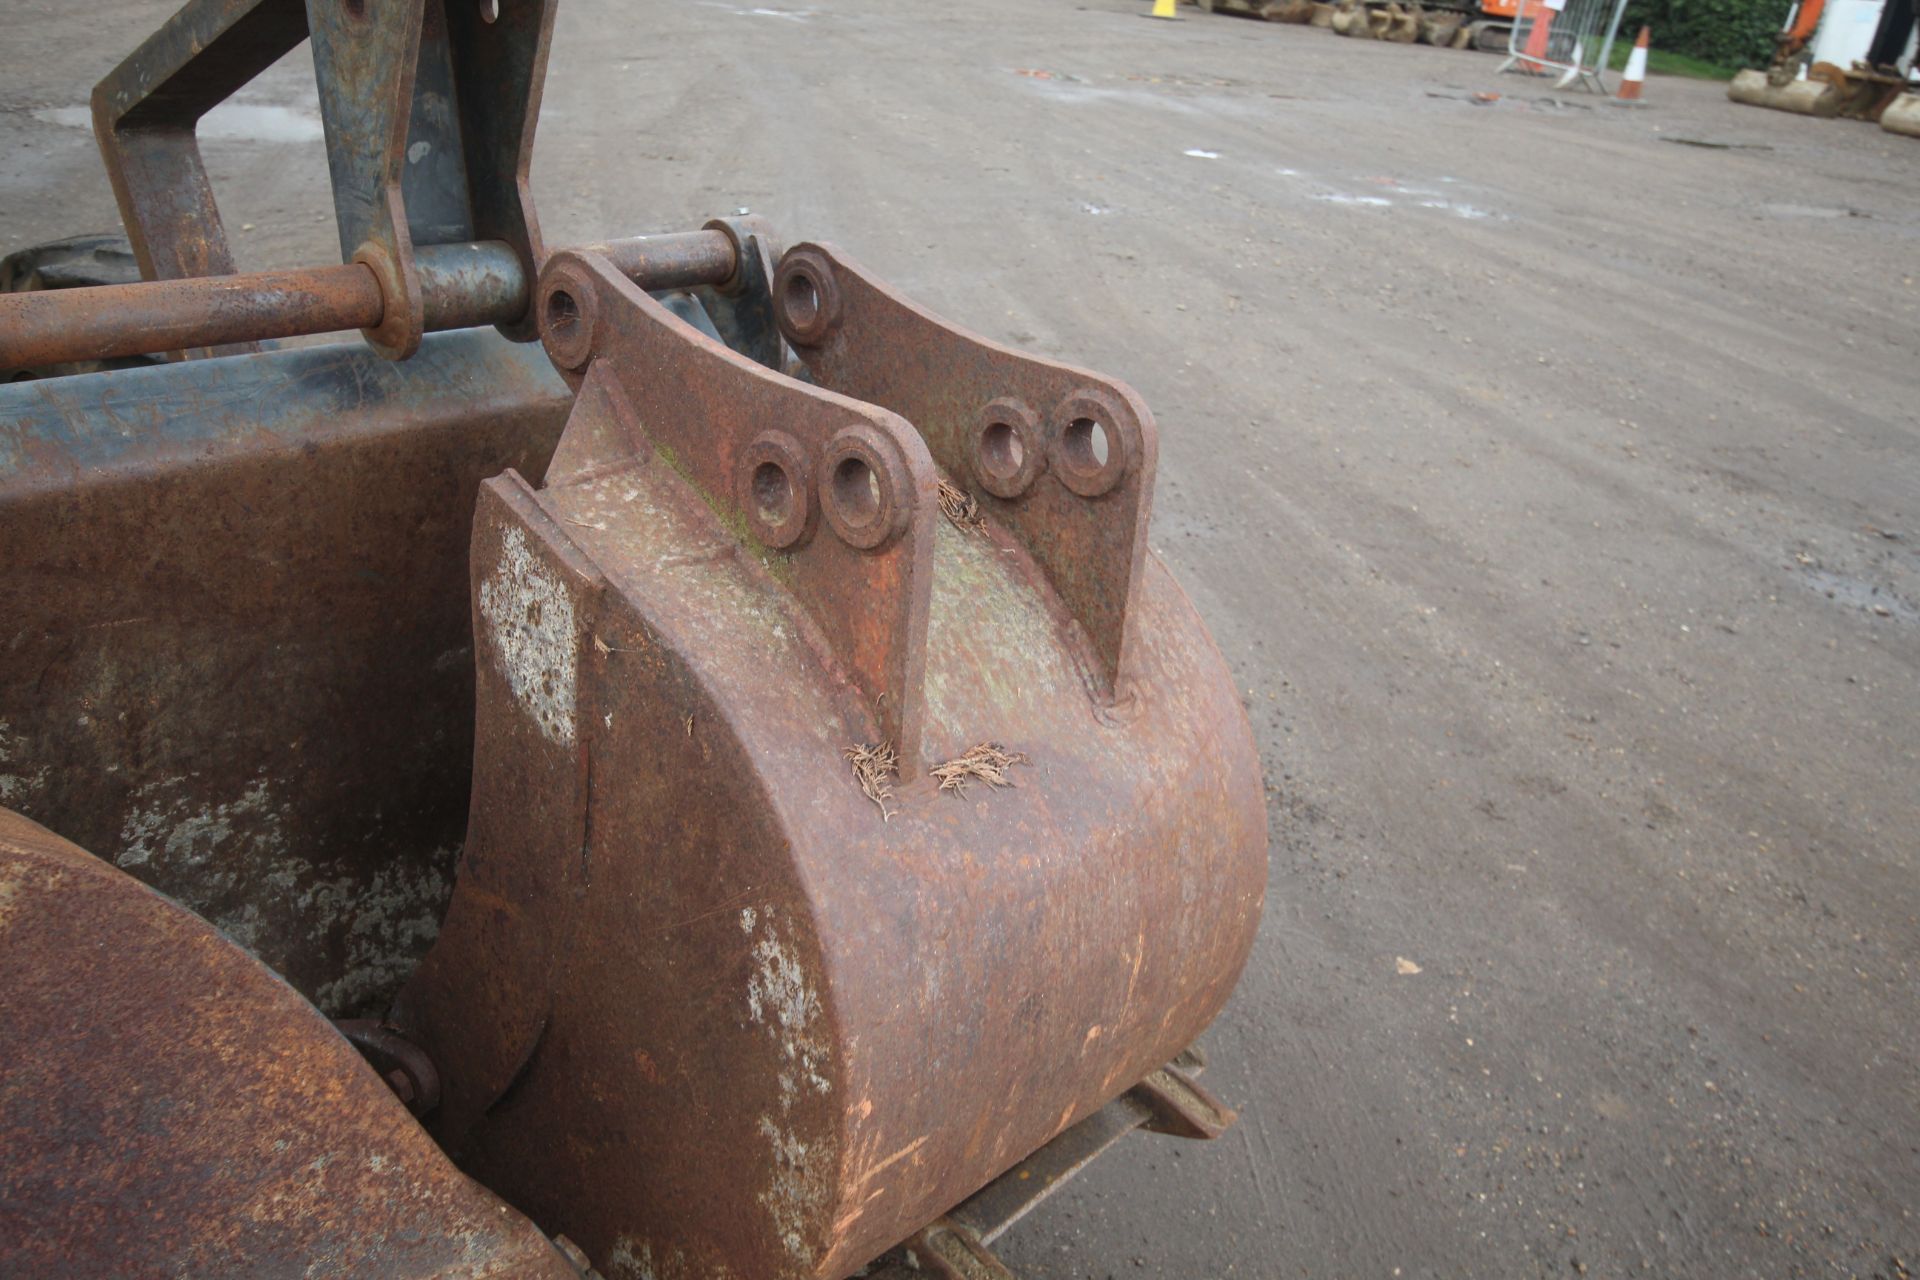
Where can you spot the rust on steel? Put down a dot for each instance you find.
(144, 116)
(170, 1107)
(695, 997)
(678, 261)
(454, 88)
(239, 652)
(463, 286)
(145, 112)
(61, 325)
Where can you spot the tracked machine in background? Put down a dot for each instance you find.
(665, 760)
(1847, 58)
(1486, 25)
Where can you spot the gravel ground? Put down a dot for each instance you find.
(1553, 489)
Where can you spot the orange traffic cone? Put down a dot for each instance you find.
(1636, 69)
(1536, 48)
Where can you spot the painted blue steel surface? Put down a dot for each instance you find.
(59, 427)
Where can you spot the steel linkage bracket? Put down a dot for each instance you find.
(836, 498)
(1062, 458)
(1182, 1107)
(429, 110)
(958, 1245)
(948, 1250)
(740, 309)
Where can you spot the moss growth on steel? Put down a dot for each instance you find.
(778, 563)
(977, 597)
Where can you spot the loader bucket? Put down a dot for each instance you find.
(172, 1108)
(236, 656)
(1805, 97)
(718, 743)
(717, 995)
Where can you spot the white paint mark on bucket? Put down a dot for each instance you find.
(530, 617)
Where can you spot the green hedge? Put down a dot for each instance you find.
(1732, 33)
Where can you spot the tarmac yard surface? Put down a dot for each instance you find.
(1552, 485)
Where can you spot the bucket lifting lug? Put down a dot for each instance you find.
(1062, 458)
(836, 498)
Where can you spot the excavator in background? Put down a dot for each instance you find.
(1486, 25)
(1847, 58)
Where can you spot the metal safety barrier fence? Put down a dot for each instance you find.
(1568, 39)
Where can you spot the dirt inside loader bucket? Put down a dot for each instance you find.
(667, 760)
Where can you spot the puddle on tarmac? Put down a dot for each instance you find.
(791, 15)
(230, 122)
(1417, 197)
(1456, 209)
(1864, 596)
(1809, 211)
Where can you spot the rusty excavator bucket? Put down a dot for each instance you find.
(726, 791)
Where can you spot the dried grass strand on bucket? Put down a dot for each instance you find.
(986, 762)
(957, 505)
(874, 768)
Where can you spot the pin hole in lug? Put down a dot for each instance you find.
(806, 298)
(865, 488)
(1094, 443)
(569, 313)
(774, 487)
